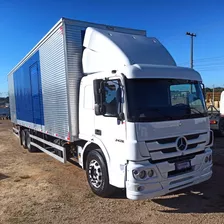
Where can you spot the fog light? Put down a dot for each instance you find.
(206, 159)
(142, 174)
(140, 188)
(150, 173)
(210, 158)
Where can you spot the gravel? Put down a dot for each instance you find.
(35, 188)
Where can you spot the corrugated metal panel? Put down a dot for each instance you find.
(74, 33)
(12, 98)
(74, 73)
(54, 85)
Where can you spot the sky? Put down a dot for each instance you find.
(24, 22)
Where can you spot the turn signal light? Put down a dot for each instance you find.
(213, 122)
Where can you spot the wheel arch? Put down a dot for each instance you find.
(94, 145)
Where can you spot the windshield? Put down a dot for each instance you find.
(164, 99)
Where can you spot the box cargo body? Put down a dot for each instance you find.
(44, 86)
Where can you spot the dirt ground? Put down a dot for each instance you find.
(35, 188)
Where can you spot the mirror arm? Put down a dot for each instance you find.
(204, 90)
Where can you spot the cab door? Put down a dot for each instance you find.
(111, 130)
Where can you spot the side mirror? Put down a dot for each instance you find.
(119, 98)
(203, 90)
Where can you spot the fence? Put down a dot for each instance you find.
(209, 98)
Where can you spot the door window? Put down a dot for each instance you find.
(111, 98)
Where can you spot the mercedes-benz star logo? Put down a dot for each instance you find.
(181, 143)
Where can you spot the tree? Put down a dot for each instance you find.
(208, 90)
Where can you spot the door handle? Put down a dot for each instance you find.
(98, 132)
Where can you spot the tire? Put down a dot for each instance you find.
(28, 143)
(97, 175)
(23, 139)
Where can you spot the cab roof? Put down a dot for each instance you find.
(138, 71)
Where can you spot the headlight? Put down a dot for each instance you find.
(150, 173)
(143, 174)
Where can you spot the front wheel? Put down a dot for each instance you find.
(97, 174)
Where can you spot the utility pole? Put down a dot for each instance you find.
(192, 35)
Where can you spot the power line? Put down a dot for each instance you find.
(211, 69)
(204, 59)
(209, 64)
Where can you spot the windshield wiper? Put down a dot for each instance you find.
(190, 109)
(198, 111)
(159, 112)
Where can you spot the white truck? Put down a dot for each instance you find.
(114, 100)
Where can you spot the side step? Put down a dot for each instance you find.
(62, 159)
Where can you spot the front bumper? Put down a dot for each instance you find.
(162, 183)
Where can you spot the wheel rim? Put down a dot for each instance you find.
(95, 174)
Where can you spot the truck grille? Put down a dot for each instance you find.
(177, 158)
(173, 139)
(166, 148)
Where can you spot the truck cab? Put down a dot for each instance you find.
(144, 117)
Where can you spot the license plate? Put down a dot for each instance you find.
(183, 165)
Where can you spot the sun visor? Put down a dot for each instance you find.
(108, 50)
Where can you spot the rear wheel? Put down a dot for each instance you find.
(23, 139)
(28, 143)
(97, 174)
